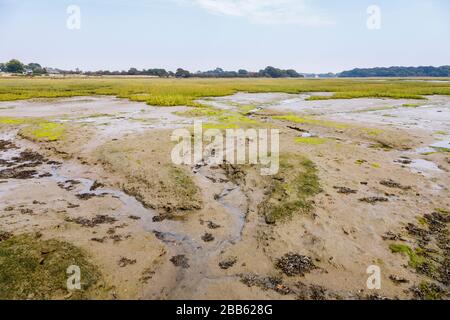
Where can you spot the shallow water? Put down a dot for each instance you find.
(299, 103)
(431, 115)
(112, 117)
(425, 167)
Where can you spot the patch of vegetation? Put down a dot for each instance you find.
(200, 112)
(442, 149)
(14, 121)
(291, 189)
(428, 291)
(416, 260)
(179, 92)
(44, 131)
(411, 105)
(185, 187)
(36, 129)
(367, 94)
(31, 268)
(246, 109)
(95, 115)
(375, 109)
(145, 170)
(144, 120)
(231, 121)
(372, 131)
(311, 140)
(311, 121)
(382, 144)
(442, 211)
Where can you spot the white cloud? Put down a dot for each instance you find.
(264, 11)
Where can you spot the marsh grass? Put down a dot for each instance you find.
(416, 260)
(175, 92)
(311, 140)
(31, 268)
(44, 131)
(311, 121)
(36, 129)
(291, 189)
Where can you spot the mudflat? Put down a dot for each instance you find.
(362, 182)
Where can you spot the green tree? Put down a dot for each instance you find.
(181, 73)
(36, 68)
(243, 72)
(292, 73)
(133, 71)
(14, 66)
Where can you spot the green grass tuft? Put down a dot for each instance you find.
(416, 260)
(312, 121)
(291, 189)
(311, 140)
(44, 131)
(31, 268)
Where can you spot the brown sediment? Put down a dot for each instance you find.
(320, 239)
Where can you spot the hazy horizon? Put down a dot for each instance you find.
(310, 37)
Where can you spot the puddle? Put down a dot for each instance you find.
(112, 117)
(444, 144)
(299, 103)
(421, 166)
(431, 115)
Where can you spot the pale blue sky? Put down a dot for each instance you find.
(307, 35)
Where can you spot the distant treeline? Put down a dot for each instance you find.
(400, 72)
(269, 72)
(17, 67)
